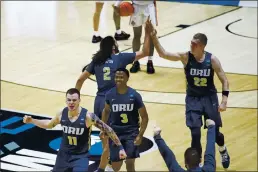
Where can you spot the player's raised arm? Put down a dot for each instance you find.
(161, 51)
(223, 79)
(45, 123)
(87, 71)
(94, 120)
(146, 47)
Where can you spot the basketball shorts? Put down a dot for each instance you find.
(68, 162)
(141, 13)
(99, 105)
(132, 151)
(206, 106)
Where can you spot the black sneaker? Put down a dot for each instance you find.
(136, 67)
(225, 158)
(96, 39)
(150, 67)
(122, 36)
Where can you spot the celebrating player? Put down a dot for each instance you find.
(124, 107)
(76, 122)
(201, 93)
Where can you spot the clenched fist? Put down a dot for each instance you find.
(27, 119)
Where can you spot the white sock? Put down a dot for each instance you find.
(150, 58)
(119, 31)
(222, 148)
(96, 33)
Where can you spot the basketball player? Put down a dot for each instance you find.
(191, 154)
(142, 9)
(104, 64)
(119, 35)
(124, 107)
(201, 93)
(76, 122)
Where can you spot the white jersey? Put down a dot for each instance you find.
(143, 2)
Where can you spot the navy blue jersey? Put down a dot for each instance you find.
(76, 136)
(124, 116)
(200, 76)
(105, 73)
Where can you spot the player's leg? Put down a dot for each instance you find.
(119, 35)
(132, 152)
(96, 18)
(114, 156)
(80, 162)
(152, 14)
(211, 109)
(194, 121)
(137, 33)
(61, 163)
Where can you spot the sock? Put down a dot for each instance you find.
(222, 148)
(101, 170)
(96, 33)
(119, 31)
(150, 58)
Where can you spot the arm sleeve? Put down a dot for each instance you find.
(167, 155)
(209, 156)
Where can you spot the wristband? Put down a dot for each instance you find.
(225, 93)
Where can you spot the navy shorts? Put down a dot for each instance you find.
(99, 105)
(131, 150)
(68, 162)
(198, 106)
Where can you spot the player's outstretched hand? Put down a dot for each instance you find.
(122, 154)
(209, 122)
(156, 130)
(138, 140)
(27, 119)
(222, 107)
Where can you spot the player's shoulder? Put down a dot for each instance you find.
(133, 92)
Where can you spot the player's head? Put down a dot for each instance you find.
(198, 43)
(122, 76)
(73, 99)
(108, 46)
(192, 158)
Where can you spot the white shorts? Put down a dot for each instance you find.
(141, 13)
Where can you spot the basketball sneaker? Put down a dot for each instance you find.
(109, 167)
(122, 36)
(96, 39)
(150, 67)
(156, 131)
(225, 158)
(135, 68)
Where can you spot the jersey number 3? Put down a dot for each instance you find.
(200, 82)
(106, 71)
(124, 118)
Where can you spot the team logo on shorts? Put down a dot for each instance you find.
(25, 147)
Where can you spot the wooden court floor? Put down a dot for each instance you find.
(45, 44)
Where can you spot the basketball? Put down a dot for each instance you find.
(126, 9)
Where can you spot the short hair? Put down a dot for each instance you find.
(201, 37)
(73, 91)
(192, 157)
(124, 70)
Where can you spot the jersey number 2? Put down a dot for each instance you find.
(200, 82)
(124, 118)
(106, 71)
(72, 140)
